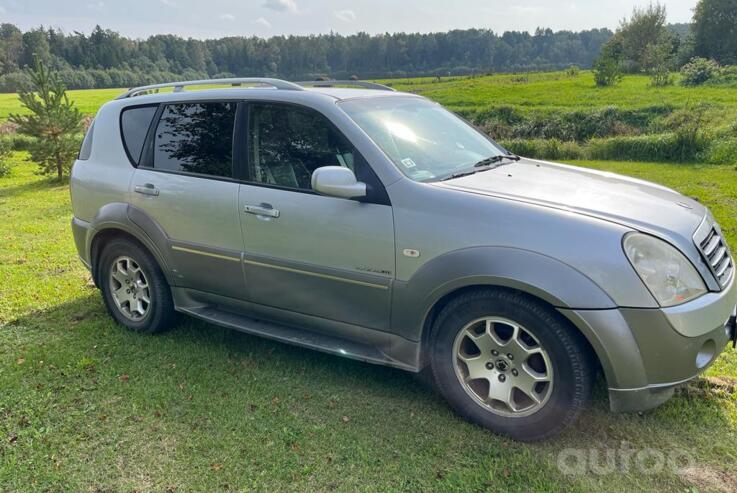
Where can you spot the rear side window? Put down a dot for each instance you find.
(86, 150)
(196, 138)
(134, 123)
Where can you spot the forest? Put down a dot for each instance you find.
(104, 58)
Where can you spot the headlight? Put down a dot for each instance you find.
(666, 272)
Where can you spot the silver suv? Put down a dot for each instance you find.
(374, 224)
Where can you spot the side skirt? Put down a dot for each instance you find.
(328, 336)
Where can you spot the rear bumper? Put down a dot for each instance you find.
(645, 353)
(80, 231)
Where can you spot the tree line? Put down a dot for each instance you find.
(104, 58)
(644, 43)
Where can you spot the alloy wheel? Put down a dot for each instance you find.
(503, 367)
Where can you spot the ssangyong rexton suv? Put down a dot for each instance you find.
(376, 225)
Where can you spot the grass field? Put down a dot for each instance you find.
(88, 406)
(547, 91)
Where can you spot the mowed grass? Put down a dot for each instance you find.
(548, 91)
(88, 406)
(551, 91)
(87, 100)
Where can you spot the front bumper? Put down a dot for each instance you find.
(645, 353)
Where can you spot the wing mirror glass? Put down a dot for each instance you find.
(337, 181)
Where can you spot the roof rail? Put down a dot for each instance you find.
(179, 86)
(334, 83)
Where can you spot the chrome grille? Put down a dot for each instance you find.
(716, 253)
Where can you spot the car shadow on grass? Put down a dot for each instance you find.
(39, 185)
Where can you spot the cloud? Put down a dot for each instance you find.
(281, 5)
(527, 9)
(92, 6)
(345, 15)
(170, 3)
(262, 22)
(227, 17)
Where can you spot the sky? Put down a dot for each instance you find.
(265, 18)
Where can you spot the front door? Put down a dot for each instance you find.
(184, 182)
(323, 256)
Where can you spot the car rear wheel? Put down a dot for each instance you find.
(134, 289)
(510, 363)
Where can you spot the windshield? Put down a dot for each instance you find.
(425, 141)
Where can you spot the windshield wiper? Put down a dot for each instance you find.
(483, 165)
(496, 159)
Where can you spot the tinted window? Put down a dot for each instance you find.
(135, 123)
(288, 143)
(86, 149)
(196, 138)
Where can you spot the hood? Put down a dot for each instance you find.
(628, 201)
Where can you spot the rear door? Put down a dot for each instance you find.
(184, 182)
(323, 256)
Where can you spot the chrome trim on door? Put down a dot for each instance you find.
(200, 252)
(316, 274)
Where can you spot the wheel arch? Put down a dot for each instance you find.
(119, 220)
(549, 281)
(429, 322)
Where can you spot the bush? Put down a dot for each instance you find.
(544, 148)
(506, 122)
(658, 147)
(18, 142)
(720, 151)
(699, 71)
(573, 71)
(607, 71)
(4, 155)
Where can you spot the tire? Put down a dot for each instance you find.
(482, 386)
(146, 308)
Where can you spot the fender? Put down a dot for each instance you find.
(568, 290)
(131, 220)
(544, 277)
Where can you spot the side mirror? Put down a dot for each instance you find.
(337, 181)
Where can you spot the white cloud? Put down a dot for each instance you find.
(170, 3)
(527, 9)
(227, 17)
(262, 22)
(91, 6)
(281, 5)
(345, 15)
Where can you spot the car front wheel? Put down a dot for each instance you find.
(510, 363)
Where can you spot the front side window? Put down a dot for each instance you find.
(287, 143)
(425, 141)
(196, 138)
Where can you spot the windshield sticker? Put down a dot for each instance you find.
(408, 163)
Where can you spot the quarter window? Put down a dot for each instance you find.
(134, 123)
(287, 143)
(196, 138)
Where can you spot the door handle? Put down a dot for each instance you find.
(261, 210)
(147, 189)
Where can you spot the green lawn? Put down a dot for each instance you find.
(88, 101)
(552, 91)
(535, 91)
(88, 406)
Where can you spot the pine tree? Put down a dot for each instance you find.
(54, 122)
